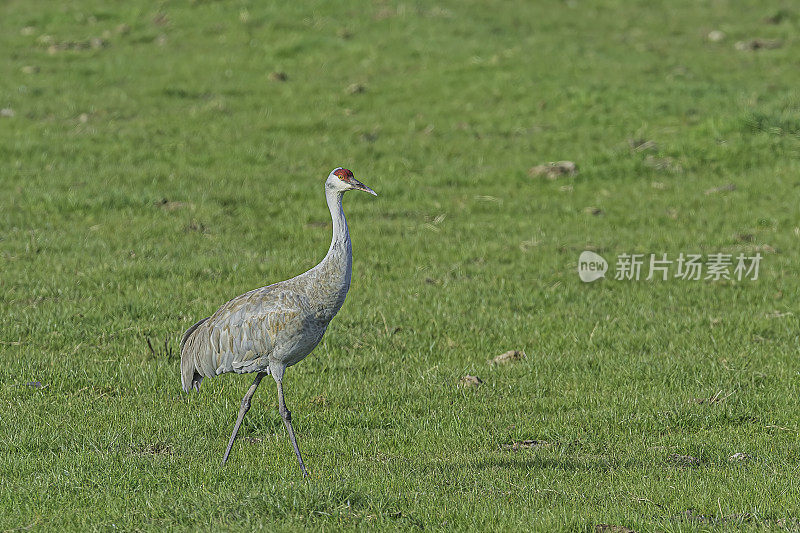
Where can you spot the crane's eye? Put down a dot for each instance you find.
(343, 174)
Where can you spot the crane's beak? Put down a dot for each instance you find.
(361, 187)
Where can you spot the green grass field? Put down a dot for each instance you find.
(154, 163)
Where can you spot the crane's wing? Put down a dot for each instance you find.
(241, 334)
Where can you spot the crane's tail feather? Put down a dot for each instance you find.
(190, 377)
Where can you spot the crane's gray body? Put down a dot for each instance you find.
(273, 327)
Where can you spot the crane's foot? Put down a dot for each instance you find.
(227, 453)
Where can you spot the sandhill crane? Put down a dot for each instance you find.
(269, 329)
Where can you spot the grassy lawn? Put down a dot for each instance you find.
(159, 159)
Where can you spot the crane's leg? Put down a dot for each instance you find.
(287, 420)
(242, 410)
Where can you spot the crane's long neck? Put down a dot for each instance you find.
(340, 242)
(333, 273)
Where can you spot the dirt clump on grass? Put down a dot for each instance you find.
(721, 188)
(470, 382)
(511, 356)
(683, 460)
(739, 457)
(759, 44)
(554, 170)
(158, 448)
(168, 205)
(355, 88)
(525, 445)
(195, 226)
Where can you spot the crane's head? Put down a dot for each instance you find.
(342, 180)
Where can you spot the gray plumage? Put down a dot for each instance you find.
(272, 328)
